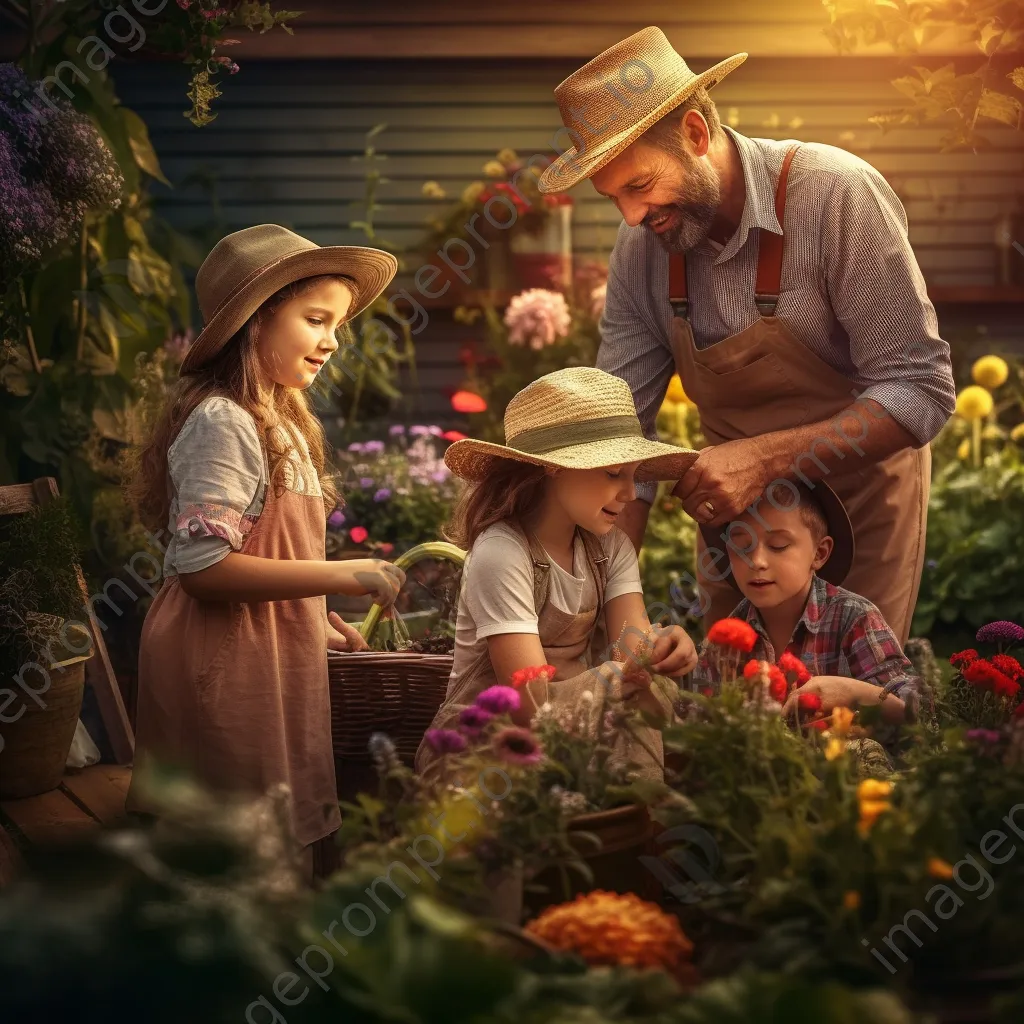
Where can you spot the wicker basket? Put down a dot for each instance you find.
(397, 693)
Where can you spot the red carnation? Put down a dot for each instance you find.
(1009, 665)
(986, 676)
(751, 668)
(809, 702)
(522, 676)
(778, 685)
(795, 670)
(962, 658)
(733, 633)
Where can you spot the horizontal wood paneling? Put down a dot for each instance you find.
(286, 147)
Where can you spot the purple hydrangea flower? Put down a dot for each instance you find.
(1000, 632)
(473, 719)
(446, 741)
(336, 519)
(382, 495)
(440, 475)
(396, 430)
(499, 700)
(356, 446)
(435, 431)
(373, 447)
(419, 431)
(366, 481)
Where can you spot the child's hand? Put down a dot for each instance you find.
(373, 576)
(674, 653)
(343, 637)
(834, 691)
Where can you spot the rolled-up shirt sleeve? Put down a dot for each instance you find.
(215, 465)
(879, 296)
(633, 345)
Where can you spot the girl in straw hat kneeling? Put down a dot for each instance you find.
(548, 570)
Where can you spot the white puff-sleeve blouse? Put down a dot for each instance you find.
(218, 477)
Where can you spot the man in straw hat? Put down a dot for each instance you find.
(777, 280)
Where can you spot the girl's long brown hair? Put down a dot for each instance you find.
(512, 490)
(236, 374)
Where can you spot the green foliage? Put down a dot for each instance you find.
(39, 555)
(945, 95)
(975, 544)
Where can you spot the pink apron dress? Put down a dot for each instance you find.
(238, 692)
(765, 379)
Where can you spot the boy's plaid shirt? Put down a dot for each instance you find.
(839, 634)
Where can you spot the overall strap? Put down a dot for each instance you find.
(769, 259)
(770, 247)
(598, 564)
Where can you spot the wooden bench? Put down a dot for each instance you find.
(85, 800)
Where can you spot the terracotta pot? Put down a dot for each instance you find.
(35, 746)
(623, 835)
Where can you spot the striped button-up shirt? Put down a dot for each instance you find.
(851, 289)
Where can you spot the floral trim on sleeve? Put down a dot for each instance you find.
(207, 520)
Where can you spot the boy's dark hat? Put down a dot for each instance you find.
(840, 529)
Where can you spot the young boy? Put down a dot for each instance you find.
(787, 559)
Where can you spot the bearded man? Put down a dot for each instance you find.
(778, 281)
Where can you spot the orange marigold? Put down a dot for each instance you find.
(613, 928)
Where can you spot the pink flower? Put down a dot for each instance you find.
(537, 317)
(358, 534)
(446, 741)
(499, 700)
(517, 746)
(473, 719)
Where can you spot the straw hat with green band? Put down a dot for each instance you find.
(576, 418)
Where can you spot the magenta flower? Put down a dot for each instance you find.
(336, 519)
(396, 430)
(383, 494)
(446, 741)
(984, 735)
(473, 720)
(499, 700)
(517, 746)
(1001, 632)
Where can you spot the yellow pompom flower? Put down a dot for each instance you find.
(472, 191)
(494, 169)
(963, 449)
(1017, 434)
(607, 928)
(835, 747)
(992, 432)
(990, 372)
(973, 403)
(851, 899)
(939, 868)
(507, 157)
(432, 190)
(873, 800)
(675, 392)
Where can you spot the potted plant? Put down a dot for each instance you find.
(44, 658)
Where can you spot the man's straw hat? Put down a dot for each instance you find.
(576, 418)
(246, 267)
(610, 102)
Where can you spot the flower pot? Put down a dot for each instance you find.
(544, 259)
(35, 746)
(611, 844)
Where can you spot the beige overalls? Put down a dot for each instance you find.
(765, 379)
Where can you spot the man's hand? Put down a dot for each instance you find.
(724, 480)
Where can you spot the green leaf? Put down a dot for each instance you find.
(989, 38)
(1000, 107)
(142, 148)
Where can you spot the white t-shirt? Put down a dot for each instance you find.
(497, 588)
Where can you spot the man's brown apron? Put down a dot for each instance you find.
(765, 379)
(239, 692)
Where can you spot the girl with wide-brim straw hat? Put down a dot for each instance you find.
(233, 657)
(549, 578)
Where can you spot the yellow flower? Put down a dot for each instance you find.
(454, 820)
(834, 748)
(870, 810)
(609, 928)
(851, 899)
(1017, 434)
(432, 190)
(973, 403)
(874, 789)
(992, 432)
(963, 449)
(842, 719)
(990, 372)
(507, 157)
(471, 191)
(494, 169)
(939, 868)
(675, 393)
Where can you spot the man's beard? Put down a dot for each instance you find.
(693, 211)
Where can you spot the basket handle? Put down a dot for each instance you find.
(432, 549)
